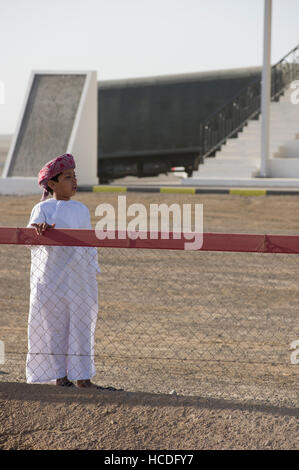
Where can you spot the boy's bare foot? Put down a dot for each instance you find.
(64, 382)
(85, 384)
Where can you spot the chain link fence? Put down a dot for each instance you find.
(203, 323)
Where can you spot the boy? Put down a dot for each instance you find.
(64, 292)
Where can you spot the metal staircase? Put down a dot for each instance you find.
(241, 155)
(221, 131)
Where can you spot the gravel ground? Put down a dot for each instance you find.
(214, 327)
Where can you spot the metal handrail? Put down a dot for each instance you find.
(230, 118)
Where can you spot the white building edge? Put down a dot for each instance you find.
(82, 142)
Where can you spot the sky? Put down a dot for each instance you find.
(133, 38)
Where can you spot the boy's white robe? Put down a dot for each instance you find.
(63, 299)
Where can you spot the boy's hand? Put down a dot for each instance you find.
(40, 228)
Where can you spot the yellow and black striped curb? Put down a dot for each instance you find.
(187, 190)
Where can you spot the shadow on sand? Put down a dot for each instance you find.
(48, 393)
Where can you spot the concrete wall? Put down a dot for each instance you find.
(5, 141)
(59, 116)
(84, 138)
(285, 163)
(19, 186)
(46, 123)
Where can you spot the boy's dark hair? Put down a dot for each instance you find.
(55, 178)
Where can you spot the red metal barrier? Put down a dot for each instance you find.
(235, 242)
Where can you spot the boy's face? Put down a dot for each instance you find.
(66, 186)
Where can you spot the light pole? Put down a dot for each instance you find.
(266, 90)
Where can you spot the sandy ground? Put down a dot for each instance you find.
(214, 327)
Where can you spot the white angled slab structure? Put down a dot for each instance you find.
(59, 115)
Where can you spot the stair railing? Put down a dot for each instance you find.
(228, 120)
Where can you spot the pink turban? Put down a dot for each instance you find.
(53, 168)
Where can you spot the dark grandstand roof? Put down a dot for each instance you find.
(180, 78)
